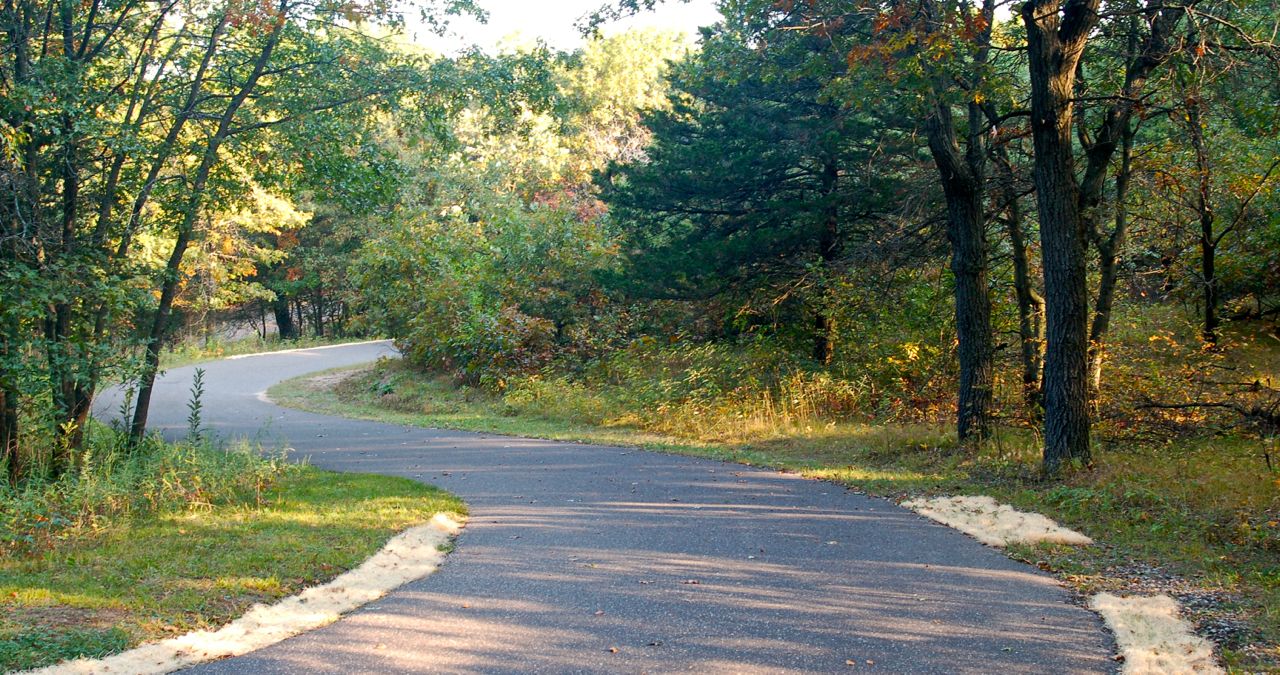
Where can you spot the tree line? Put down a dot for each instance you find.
(811, 118)
(931, 197)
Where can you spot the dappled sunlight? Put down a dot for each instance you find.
(588, 594)
(37, 596)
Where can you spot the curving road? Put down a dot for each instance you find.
(595, 559)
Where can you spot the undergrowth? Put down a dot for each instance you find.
(114, 481)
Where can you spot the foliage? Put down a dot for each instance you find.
(490, 285)
(755, 179)
(489, 268)
(136, 131)
(1200, 508)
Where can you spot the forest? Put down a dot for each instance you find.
(1035, 244)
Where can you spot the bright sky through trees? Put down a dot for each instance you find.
(554, 23)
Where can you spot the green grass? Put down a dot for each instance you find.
(1204, 508)
(162, 574)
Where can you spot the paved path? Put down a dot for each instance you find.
(680, 564)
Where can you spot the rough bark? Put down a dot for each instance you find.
(284, 319)
(1056, 36)
(962, 183)
(1057, 32)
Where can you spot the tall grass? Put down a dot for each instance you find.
(695, 391)
(114, 481)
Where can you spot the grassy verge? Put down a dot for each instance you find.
(150, 553)
(1197, 519)
(190, 352)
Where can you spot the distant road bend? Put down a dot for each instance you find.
(581, 558)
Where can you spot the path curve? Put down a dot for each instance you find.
(581, 558)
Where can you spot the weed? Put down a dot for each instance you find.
(195, 405)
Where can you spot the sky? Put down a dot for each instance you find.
(554, 23)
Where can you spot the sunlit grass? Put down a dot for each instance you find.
(160, 575)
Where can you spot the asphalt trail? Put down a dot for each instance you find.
(580, 558)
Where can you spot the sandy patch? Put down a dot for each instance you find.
(325, 382)
(1153, 637)
(993, 523)
(331, 380)
(410, 555)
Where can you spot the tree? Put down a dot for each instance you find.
(1058, 33)
(117, 118)
(321, 60)
(487, 266)
(1220, 205)
(755, 179)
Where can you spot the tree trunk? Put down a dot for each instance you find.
(20, 208)
(300, 317)
(159, 327)
(317, 314)
(65, 360)
(1055, 43)
(1108, 267)
(1030, 302)
(966, 230)
(284, 319)
(87, 389)
(9, 435)
(172, 273)
(1208, 252)
(1206, 216)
